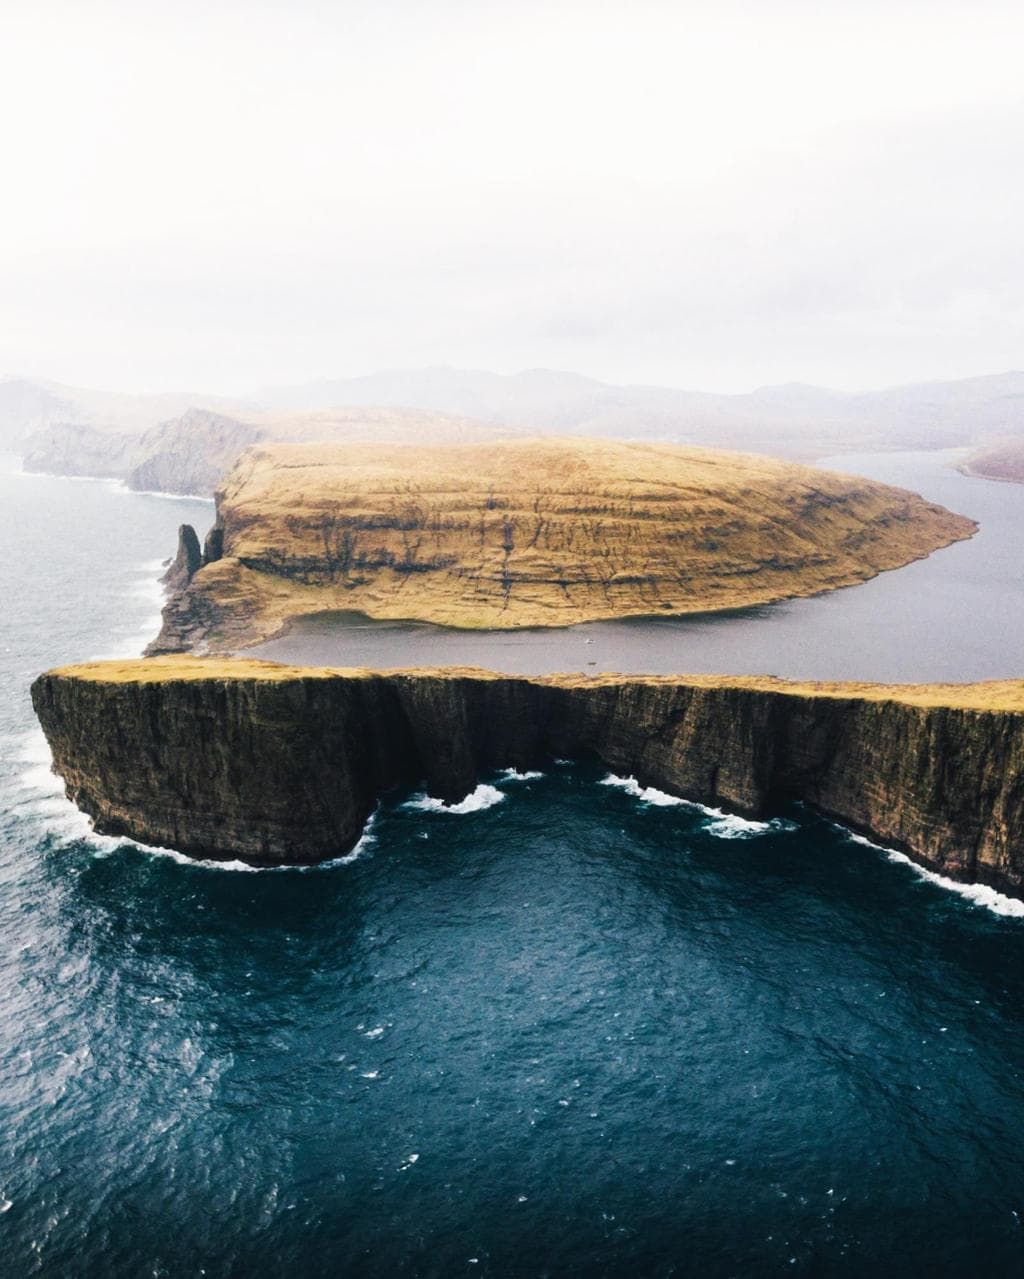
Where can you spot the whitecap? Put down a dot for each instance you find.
(723, 825)
(66, 822)
(979, 894)
(647, 794)
(732, 826)
(33, 748)
(484, 796)
(514, 775)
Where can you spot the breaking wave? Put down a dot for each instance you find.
(721, 824)
(979, 894)
(484, 796)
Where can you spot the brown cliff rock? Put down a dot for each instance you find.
(278, 764)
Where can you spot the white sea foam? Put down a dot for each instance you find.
(646, 794)
(60, 818)
(35, 782)
(151, 591)
(722, 824)
(483, 797)
(170, 497)
(365, 843)
(979, 894)
(514, 775)
(732, 826)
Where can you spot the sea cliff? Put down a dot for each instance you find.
(541, 532)
(282, 765)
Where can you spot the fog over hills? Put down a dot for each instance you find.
(791, 419)
(182, 441)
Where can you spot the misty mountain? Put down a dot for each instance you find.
(28, 405)
(183, 442)
(791, 419)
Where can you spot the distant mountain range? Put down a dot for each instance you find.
(791, 419)
(183, 440)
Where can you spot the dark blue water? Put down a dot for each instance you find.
(573, 1030)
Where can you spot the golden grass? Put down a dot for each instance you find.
(987, 695)
(544, 532)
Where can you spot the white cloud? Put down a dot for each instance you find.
(705, 194)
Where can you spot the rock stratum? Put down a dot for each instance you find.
(284, 765)
(543, 532)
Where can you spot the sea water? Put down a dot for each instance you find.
(569, 1026)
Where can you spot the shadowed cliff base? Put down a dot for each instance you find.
(283, 765)
(533, 533)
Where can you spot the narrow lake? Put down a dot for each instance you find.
(956, 615)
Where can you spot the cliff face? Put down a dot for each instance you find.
(72, 448)
(191, 454)
(284, 765)
(546, 532)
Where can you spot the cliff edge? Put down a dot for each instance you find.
(283, 765)
(544, 532)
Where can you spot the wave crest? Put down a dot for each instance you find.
(484, 796)
(721, 824)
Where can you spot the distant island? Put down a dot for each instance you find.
(523, 533)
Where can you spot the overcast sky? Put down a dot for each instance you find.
(219, 196)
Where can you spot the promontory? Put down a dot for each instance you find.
(278, 764)
(541, 532)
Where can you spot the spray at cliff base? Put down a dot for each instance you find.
(567, 1028)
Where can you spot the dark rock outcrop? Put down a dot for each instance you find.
(284, 765)
(187, 560)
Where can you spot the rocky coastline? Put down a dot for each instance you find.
(281, 765)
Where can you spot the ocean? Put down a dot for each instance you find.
(574, 1028)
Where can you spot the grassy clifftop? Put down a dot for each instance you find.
(544, 532)
(984, 695)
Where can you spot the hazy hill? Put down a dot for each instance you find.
(1002, 461)
(151, 441)
(28, 405)
(790, 420)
